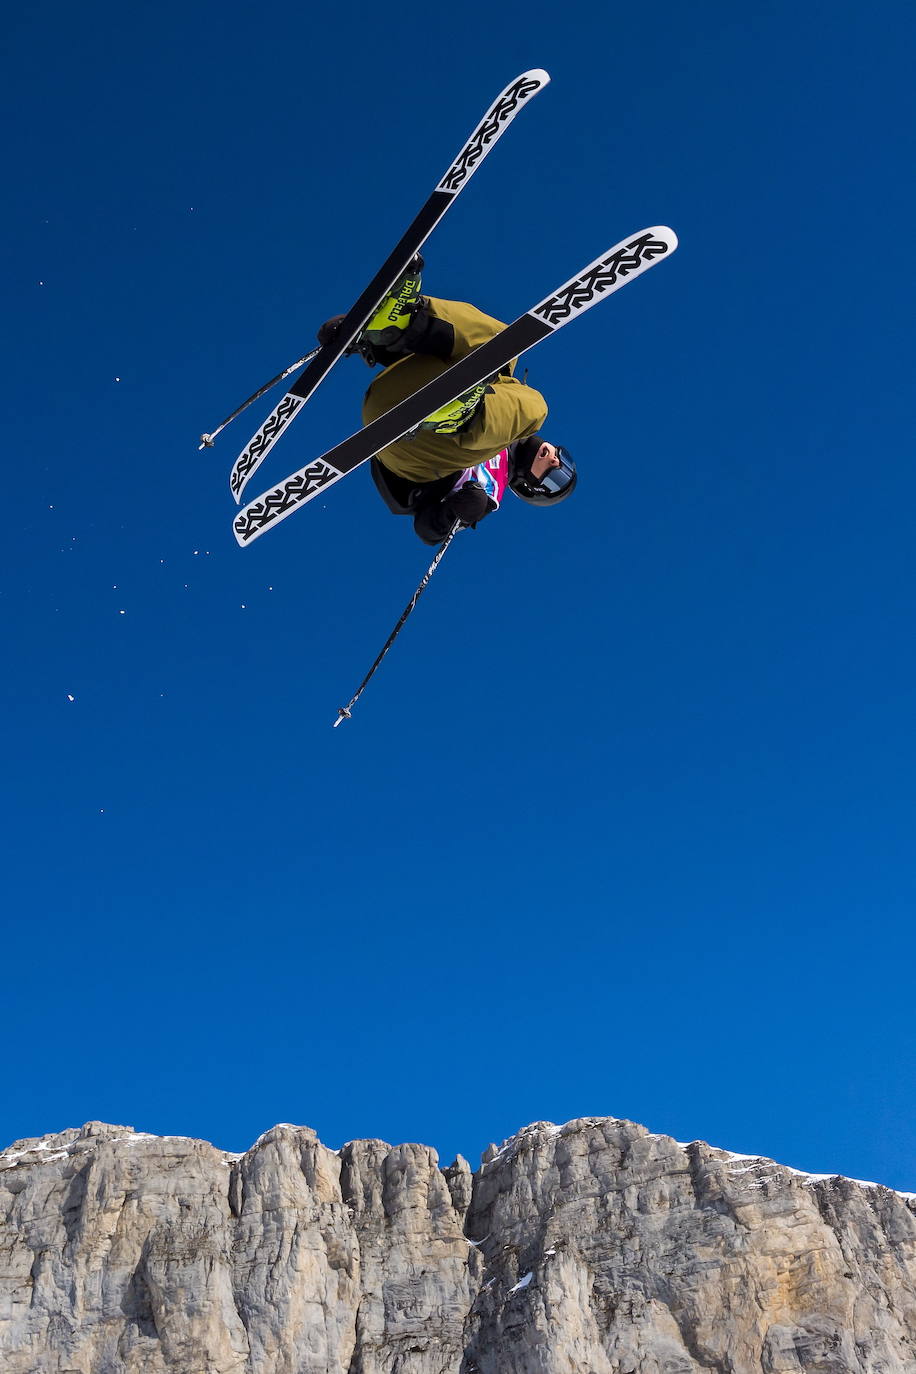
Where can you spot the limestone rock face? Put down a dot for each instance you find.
(589, 1248)
(610, 1249)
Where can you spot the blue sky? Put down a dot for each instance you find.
(625, 823)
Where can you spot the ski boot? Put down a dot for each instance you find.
(458, 414)
(384, 336)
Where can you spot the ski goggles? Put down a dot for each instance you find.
(556, 480)
(556, 483)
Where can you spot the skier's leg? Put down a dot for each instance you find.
(447, 330)
(467, 326)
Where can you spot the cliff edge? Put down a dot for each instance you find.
(589, 1248)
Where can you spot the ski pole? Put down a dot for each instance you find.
(344, 712)
(206, 440)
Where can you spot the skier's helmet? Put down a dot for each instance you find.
(556, 484)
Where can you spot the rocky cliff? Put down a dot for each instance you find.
(579, 1249)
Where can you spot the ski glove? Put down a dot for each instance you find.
(468, 504)
(328, 331)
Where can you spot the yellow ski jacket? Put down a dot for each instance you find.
(509, 410)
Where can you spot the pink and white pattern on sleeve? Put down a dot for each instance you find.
(493, 476)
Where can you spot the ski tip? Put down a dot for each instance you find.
(661, 231)
(536, 74)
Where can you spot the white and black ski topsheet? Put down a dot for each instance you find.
(600, 279)
(494, 123)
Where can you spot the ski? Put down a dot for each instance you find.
(494, 123)
(622, 263)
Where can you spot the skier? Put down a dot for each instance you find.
(457, 464)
